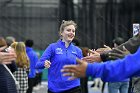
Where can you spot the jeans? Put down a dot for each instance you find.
(114, 87)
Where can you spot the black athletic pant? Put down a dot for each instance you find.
(31, 82)
(73, 90)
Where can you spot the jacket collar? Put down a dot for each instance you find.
(63, 43)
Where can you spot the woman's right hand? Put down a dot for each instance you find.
(47, 64)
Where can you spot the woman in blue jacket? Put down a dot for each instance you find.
(58, 54)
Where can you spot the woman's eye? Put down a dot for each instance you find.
(68, 30)
(73, 31)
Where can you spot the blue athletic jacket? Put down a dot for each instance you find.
(116, 70)
(59, 56)
(33, 60)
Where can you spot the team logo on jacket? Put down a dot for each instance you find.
(73, 52)
(58, 51)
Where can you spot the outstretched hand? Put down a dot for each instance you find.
(119, 53)
(93, 57)
(75, 71)
(95, 54)
(7, 57)
(104, 49)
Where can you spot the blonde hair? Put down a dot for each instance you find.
(66, 23)
(22, 58)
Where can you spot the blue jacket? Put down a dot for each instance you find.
(116, 70)
(59, 56)
(33, 60)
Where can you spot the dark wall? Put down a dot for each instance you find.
(98, 22)
(30, 22)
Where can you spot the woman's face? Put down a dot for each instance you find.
(68, 34)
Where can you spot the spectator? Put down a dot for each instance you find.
(22, 63)
(7, 83)
(112, 71)
(33, 58)
(9, 41)
(123, 85)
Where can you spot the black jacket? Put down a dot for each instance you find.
(7, 83)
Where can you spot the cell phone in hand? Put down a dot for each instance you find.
(5, 50)
(136, 28)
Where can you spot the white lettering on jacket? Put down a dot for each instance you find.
(58, 51)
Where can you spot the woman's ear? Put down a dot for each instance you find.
(61, 34)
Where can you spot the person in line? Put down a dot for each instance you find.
(131, 45)
(33, 58)
(9, 40)
(58, 54)
(109, 71)
(22, 63)
(123, 85)
(7, 83)
(38, 77)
